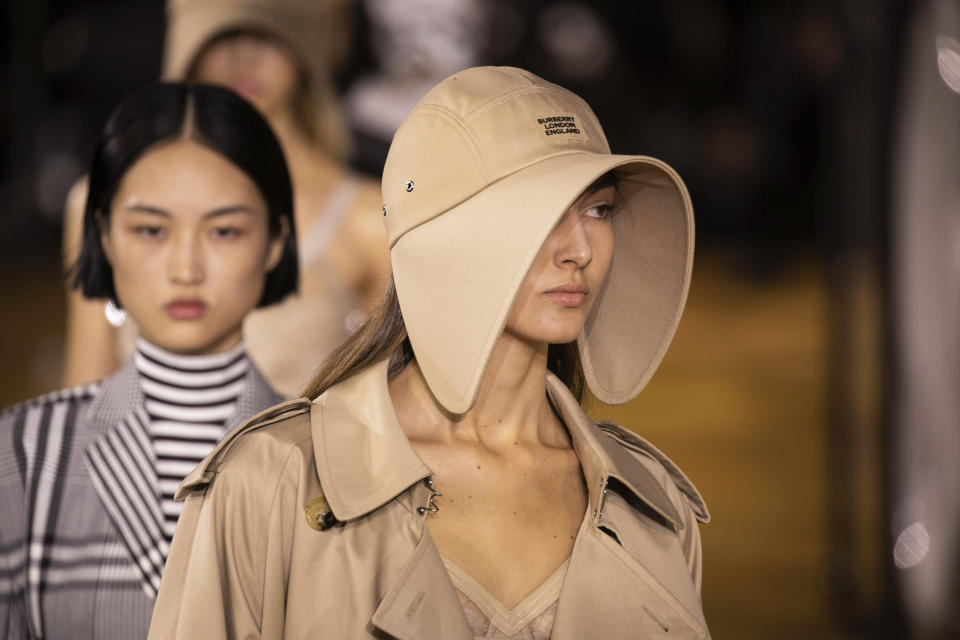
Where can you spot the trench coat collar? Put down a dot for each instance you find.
(365, 459)
(121, 464)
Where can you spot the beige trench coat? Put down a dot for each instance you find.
(245, 562)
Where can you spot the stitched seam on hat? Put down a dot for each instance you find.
(497, 96)
(457, 121)
(516, 72)
(502, 97)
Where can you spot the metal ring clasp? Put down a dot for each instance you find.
(432, 506)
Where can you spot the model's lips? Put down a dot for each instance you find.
(568, 294)
(186, 309)
(245, 88)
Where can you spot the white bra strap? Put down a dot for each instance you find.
(338, 204)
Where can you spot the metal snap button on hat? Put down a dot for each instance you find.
(409, 186)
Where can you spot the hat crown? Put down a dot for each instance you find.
(473, 129)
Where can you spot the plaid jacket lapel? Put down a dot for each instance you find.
(122, 466)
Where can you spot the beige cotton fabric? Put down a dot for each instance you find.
(477, 176)
(245, 563)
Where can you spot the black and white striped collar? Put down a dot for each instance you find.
(189, 371)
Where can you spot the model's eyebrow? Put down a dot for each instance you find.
(233, 208)
(145, 208)
(219, 211)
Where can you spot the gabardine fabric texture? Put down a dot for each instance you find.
(247, 563)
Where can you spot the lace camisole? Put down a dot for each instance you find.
(531, 619)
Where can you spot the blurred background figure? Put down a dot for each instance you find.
(414, 45)
(808, 386)
(925, 236)
(276, 54)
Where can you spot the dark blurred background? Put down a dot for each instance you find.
(780, 392)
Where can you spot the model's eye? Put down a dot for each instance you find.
(226, 232)
(599, 211)
(149, 231)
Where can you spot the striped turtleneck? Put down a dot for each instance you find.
(188, 401)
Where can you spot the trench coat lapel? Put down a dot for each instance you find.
(365, 460)
(626, 566)
(421, 603)
(625, 598)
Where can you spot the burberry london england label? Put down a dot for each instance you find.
(560, 126)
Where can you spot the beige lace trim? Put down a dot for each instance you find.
(531, 619)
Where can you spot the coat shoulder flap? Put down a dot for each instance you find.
(639, 445)
(204, 472)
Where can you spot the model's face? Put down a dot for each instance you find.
(190, 248)
(562, 284)
(256, 66)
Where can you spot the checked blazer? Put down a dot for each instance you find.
(81, 549)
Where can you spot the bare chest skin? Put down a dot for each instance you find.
(507, 517)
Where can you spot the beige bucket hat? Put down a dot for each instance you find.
(302, 25)
(477, 176)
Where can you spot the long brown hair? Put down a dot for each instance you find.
(384, 335)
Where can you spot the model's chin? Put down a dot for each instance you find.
(191, 339)
(554, 333)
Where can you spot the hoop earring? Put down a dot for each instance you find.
(115, 315)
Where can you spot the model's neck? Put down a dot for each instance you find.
(511, 405)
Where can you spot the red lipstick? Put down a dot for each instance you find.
(186, 309)
(245, 88)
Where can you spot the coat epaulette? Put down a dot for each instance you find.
(638, 444)
(204, 472)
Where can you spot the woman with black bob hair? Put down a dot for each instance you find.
(274, 54)
(441, 480)
(188, 226)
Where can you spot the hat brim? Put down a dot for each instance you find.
(457, 275)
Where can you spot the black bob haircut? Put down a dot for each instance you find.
(211, 116)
